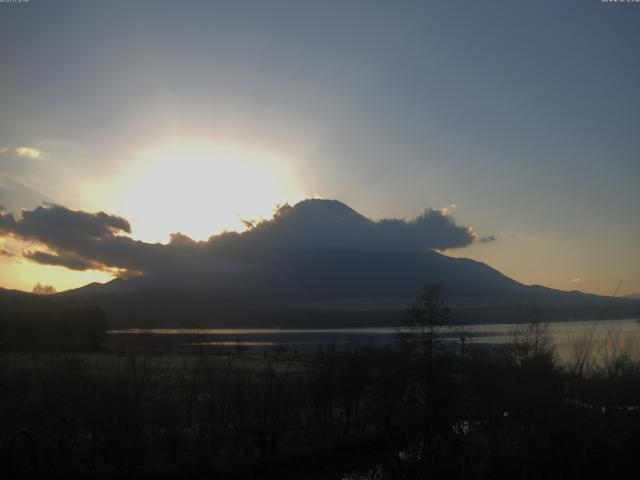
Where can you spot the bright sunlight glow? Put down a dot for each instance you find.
(201, 190)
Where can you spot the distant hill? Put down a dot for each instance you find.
(30, 322)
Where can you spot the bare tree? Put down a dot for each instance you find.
(531, 339)
(40, 289)
(424, 320)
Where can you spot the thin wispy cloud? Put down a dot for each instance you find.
(488, 239)
(28, 152)
(22, 152)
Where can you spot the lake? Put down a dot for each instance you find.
(604, 336)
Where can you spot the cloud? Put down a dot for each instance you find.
(79, 240)
(21, 152)
(59, 227)
(576, 280)
(10, 247)
(70, 261)
(75, 239)
(488, 239)
(328, 224)
(28, 152)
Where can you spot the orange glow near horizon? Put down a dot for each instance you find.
(23, 275)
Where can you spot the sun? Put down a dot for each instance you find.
(201, 189)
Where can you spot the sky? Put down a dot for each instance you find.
(517, 119)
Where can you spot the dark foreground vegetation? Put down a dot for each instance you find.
(422, 408)
(359, 413)
(41, 323)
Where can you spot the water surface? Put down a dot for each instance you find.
(603, 337)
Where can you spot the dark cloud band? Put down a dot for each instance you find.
(80, 240)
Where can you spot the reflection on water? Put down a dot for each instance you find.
(230, 344)
(568, 337)
(257, 331)
(571, 338)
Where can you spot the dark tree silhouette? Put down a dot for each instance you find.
(43, 289)
(425, 316)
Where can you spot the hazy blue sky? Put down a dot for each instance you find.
(524, 114)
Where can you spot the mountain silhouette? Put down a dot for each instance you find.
(322, 259)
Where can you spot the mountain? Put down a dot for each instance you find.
(322, 263)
